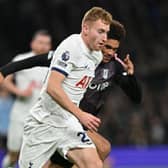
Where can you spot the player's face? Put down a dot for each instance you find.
(97, 34)
(109, 49)
(41, 44)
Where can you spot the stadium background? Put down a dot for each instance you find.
(143, 127)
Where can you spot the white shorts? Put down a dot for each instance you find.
(41, 140)
(15, 133)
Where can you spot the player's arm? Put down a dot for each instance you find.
(127, 80)
(39, 60)
(56, 91)
(12, 87)
(130, 86)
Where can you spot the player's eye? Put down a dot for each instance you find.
(101, 31)
(108, 46)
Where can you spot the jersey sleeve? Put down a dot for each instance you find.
(130, 86)
(39, 60)
(63, 59)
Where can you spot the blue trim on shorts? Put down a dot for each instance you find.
(60, 70)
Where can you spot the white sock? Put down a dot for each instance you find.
(6, 163)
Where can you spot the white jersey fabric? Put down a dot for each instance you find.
(78, 63)
(50, 127)
(30, 77)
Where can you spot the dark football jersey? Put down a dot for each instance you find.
(107, 75)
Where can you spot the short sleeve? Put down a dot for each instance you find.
(63, 59)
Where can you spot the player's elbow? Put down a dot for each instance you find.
(51, 90)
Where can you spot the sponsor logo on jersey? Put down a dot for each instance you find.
(84, 82)
(62, 64)
(99, 87)
(84, 67)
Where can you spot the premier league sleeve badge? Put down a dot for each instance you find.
(65, 56)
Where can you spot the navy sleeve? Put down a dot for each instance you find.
(130, 86)
(38, 60)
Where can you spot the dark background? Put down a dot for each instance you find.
(146, 22)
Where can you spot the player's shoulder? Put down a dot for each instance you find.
(73, 37)
(23, 56)
(69, 46)
(71, 41)
(78, 48)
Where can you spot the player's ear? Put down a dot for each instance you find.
(1, 77)
(31, 44)
(85, 28)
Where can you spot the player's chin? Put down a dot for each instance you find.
(106, 60)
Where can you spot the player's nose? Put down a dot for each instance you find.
(104, 37)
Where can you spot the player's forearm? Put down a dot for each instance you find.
(10, 86)
(135, 90)
(39, 60)
(56, 91)
(131, 87)
(58, 94)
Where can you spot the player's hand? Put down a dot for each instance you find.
(1, 78)
(89, 121)
(27, 92)
(129, 65)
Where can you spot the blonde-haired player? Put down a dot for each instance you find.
(55, 123)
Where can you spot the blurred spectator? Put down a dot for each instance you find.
(26, 89)
(157, 130)
(6, 102)
(137, 134)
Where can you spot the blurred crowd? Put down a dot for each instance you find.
(146, 41)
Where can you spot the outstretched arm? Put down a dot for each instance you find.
(128, 82)
(130, 86)
(39, 60)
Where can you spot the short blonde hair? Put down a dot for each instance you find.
(97, 13)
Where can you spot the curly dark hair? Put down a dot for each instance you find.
(117, 31)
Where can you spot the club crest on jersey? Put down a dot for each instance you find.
(65, 56)
(105, 73)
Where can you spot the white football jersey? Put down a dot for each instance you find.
(77, 63)
(33, 77)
